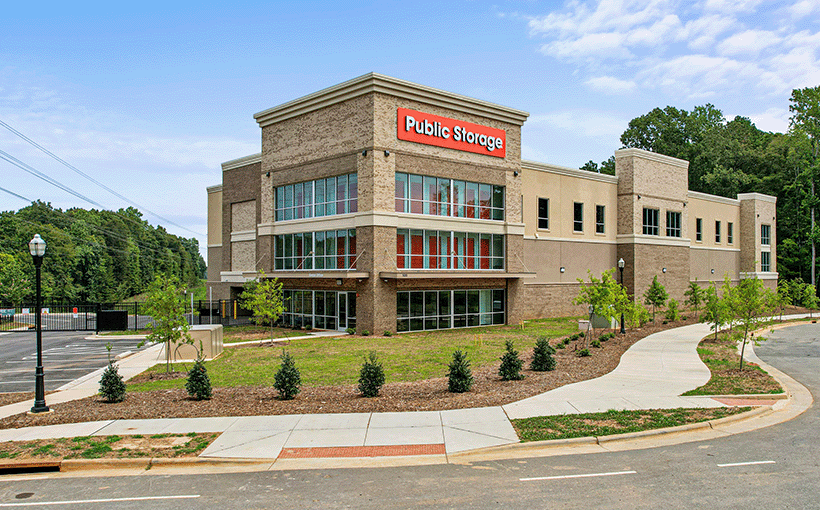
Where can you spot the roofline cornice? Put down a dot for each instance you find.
(652, 156)
(570, 172)
(379, 83)
(243, 161)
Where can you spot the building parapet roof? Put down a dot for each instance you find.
(243, 161)
(757, 196)
(570, 172)
(714, 198)
(654, 156)
(374, 82)
(214, 189)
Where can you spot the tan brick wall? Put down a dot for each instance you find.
(243, 216)
(237, 186)
(243, 256)
(651, 261)
(753, 214)
(546, 300)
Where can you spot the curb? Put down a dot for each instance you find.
(75, 465)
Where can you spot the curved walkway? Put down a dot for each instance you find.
(652, 374)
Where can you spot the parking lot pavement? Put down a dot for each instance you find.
(66, 356)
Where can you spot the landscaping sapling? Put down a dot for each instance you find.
(582, 353)
(371, 376)
(112, 387)
(511, 363)
(287, 379)
(542, 360)
(459, 375)
(198, 384)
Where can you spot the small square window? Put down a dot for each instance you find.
(578, 217)
(651, 221)
(599, 219)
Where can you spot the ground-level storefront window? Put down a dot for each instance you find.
(320, 309)
(420, 310)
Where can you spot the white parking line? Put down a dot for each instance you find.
(87, 501)
(587, 475)
(753, 463)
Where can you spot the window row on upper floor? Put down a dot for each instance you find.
(543, 218)
(321, 197)
(436, 196)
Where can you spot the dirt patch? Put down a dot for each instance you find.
(424, 395)
(109, 447)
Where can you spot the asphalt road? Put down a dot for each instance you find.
(66, 356)
(776, 467)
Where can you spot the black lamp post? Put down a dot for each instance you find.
(621, 264)
(37, 248)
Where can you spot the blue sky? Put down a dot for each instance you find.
(149, 99)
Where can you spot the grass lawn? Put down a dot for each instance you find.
(234, 334)
(112, 447)
(406, 357)
(544, 428)
(722, 358)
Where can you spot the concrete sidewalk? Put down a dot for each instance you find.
(652, 374)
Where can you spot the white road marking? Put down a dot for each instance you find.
(587, 475)
(748, 463)
(87, 501)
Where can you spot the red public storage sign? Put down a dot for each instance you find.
(449, 133)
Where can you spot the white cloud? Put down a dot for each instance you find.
(749, 42)
(581, 122)
(732, 6)
(803, 8)
(773, 119)
(610, 85)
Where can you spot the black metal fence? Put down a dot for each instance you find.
(84, 317)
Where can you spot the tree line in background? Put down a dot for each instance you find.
(730, 157)
(91, 256)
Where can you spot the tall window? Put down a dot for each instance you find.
(730, 232)
(422, 194)
(765, 261)
(717, 231)
(673, 224)
(322, 197)
(599, 219)
(577, 217)
(651, 222)
(699, 229)
(765, 235)
(329, 249)
(544, 213)
(442, 249)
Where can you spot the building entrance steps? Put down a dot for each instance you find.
(652, 374)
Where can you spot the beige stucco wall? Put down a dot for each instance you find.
(546, 257)
(711, 209)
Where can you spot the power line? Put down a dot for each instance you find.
(16, 195)
(98, 183)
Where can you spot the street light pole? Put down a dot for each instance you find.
(37, 248)
(621, 265)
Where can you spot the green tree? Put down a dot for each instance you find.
(783, 297)
(655, 296)
(542, 360)
(165, 304)
(287, 379)
(15, 285)
(694, 297)
(511, 363)
(714, 309)
(809, 298)
(264, 297)
(752, 301)
(605, 296)
(459, 375)
(805, 123)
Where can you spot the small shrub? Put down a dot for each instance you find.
(560, 345)
(308, 327)
(542, 360)
(371, 376)
(665, 322)
(459, 375)
(511, 363)
(198, 384)
(287, 379)
(582, 353)
(580, 334)
(606, 336)
(350, 331)
(112, 387)
(387, 333)
(595, 343)
(365, 332)
(672, 311)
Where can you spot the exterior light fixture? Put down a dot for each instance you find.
(364, 152)
(37, 248)
(515, 173)
(664, 270)
(338, 281)
(713, 271)
(639, 197)
(563, 269)
(267, 174)
(386, 153)
(621, 265)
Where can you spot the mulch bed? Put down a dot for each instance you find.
(425, 395)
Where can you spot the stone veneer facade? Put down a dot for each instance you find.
(352, 128)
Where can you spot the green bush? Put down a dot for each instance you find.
(459, 375)
(511, 363)
(582, 353)
(606, 336)
(365, 332)
(595, 343)
(542, 360)
(112, 387)
(287, 379)
(308, 327)
(560, 345)
(198, 384)
(672, 311)
(387, 333)
(350, 331)
(371, 376)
